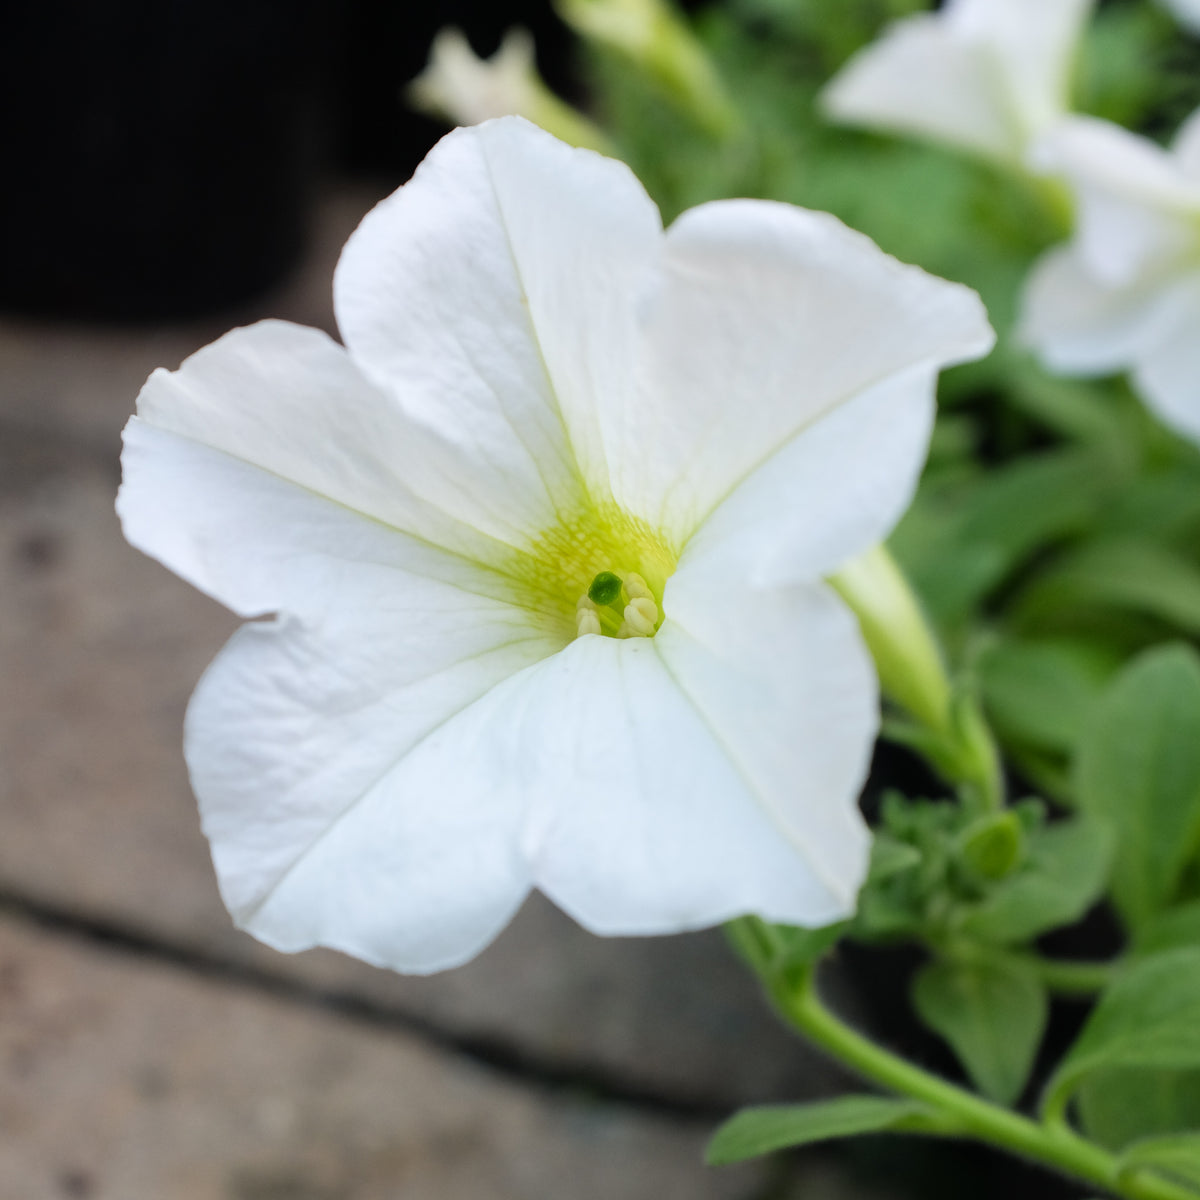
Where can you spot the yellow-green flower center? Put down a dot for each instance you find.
(600, 571)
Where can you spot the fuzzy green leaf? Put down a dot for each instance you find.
(1065, 873)
(992, 1015)
(1126, 574)
(757, 1131)
(1148, 1019)
(994, 846)
(1178, 1156)
(1139, 770)
(891, 857)
(959, 545)
(1042, 692)
(1170, 930)
(1119, 1107)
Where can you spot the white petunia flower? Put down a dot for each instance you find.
(1125, 293)
(987, 76)
(543, 549)
(465, 89)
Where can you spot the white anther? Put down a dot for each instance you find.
(641, 616)
(585, 604)
(586, 621)
(624, 631)
(636, 589)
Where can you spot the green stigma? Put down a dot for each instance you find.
(605, 588)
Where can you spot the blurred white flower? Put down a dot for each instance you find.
(467, 89)
(542, 553)
(464, 89)
(987, 76)
(1124, 294)
(1187, 13)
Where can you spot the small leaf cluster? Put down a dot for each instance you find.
(977, 891)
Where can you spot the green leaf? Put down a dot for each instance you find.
(891, 857)
(798, 947)
(1122, 63)
(1086, 410)
(1041, 692)
(994, 846)
(751, 940)
(1148, 1018)
(958, 545)
(1065, 873)
(770, 949)
(757, 1131)
(1127, 574)
(1178, 1156)
(1139, 770)
(1163, 507)
(1169, 930)
(992, 1015)
(1119, 1107)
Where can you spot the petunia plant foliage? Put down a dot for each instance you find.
(833, 382)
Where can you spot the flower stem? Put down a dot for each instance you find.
(659, 40)
(1053, 1145)
(1065, 977)
(1075, 978)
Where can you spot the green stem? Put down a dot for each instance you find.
(1067, 978)
(1063, 977)
(1055, 1146)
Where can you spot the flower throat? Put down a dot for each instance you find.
(603, 570)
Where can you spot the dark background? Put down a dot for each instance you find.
(161, 157)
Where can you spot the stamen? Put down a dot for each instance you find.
(586, 621)
(641, 615)
(635, 587)
(611, 598)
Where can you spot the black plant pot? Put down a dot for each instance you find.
(158, 154)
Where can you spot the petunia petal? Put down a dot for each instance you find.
(291, 401)
(313, 740)
(767, 318)
(1168, 374)
(318, 742)
(981, 75)
(1030, 45)
(919, 78)
(496, 294)
(832, 492)
(1079, 324)
(707, 772)
(1137, 209)
(353, 791)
